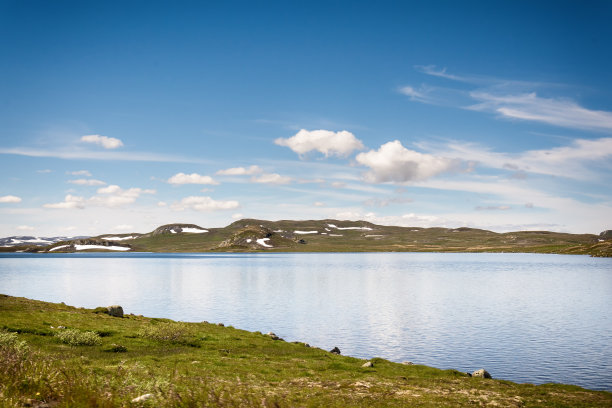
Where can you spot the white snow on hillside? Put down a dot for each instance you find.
(110, 248)
(193, 230)
(58, 247)
(262, 242)
(117, 238)
(305, 232)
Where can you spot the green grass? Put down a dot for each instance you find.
(204, 364)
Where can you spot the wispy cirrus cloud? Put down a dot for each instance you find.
(561, 112)
(72, 153)
(573, 160)
(111, 196)
(508, 99)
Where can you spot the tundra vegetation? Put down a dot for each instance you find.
(54, 355)
(251, 235)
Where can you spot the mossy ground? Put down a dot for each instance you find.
(203, 364)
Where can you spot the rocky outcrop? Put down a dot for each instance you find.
(174, 229)
(335, 350)
(607, 234)
(482, 373)
(115, 311)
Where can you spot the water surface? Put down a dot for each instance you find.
(524, 317)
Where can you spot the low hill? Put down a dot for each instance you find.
(250, 235)
(54, 355)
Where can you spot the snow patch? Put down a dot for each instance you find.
(348, 228)
(58, 247)
(305, 232)
(249, 240)
(369, 236)
(173, 231)
(117, 238)
(335, 235)
(262, 242)
(110, 248)
(194, 230)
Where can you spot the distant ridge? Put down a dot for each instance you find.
(329, 235)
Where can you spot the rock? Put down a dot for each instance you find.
(220, 325)
(407, 363)
(368, 364)
(115, 311)
(273, 336)
(482, 373)
(142, 398)
(335, 350)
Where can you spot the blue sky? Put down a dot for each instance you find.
(122, 116)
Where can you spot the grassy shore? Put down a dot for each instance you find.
(53, 355)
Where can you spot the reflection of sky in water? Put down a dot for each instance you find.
(534, 318)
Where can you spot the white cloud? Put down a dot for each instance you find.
(528, 106)
(123, 227)
(162, 204)
(571, 161)
(338, 184)
(193, 178)
(115, 196)
(319, 204)
(413, 93)
(204, 204)
(87, 182)
(104, 141)
(272, 178)
(10, 199)
(237, 216)
(111, 196)
(394, 163)
(240, 171)
(85, 173)
(493, 208)
(25, 228)
(70, 202)
(327, 142)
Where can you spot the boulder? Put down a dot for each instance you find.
(368, 364)
(115, 311)
(407, 363)
(482, 373)
(335, 350)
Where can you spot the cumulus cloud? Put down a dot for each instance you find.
(87, 182)
(104, 141)
(272, 178)
(204, 204)
(394, 163)
(240, 171)
(10, 199)
(327, 142)
(70, 202)
(193, 178)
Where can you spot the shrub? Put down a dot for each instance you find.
(75, 337)
(11, 341)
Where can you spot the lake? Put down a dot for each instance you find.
(523, 317)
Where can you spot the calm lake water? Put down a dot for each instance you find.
(523, 317)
